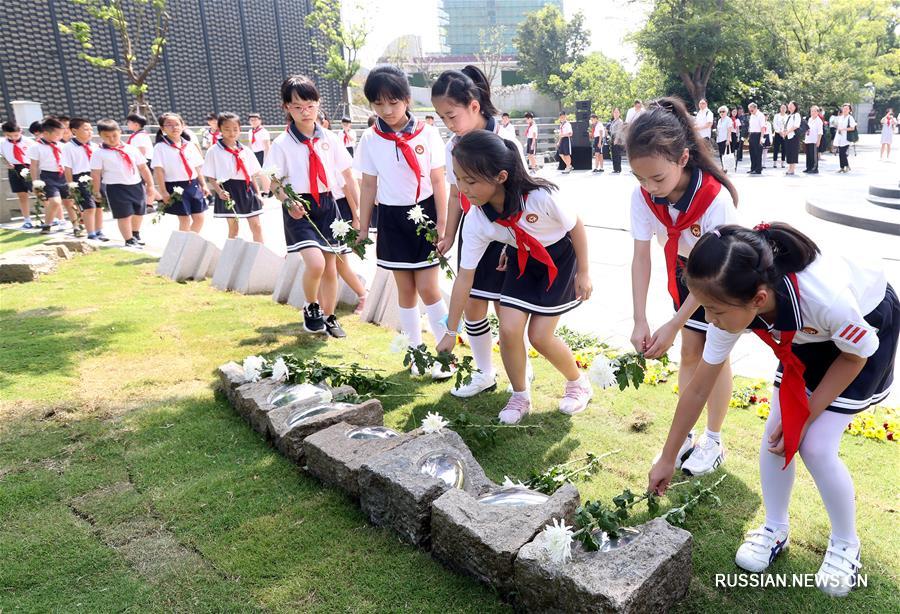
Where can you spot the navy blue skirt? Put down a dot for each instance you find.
(301, 234)
(488, 281)
(873, 383)
(246, 203)
(565, 146)
(697, 320)
(530, 146)
(529, 293)
(398, 246)
(192, 199)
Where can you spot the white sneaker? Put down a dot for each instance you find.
(438, 372)
(760, 548)
(516, 408)
(529, 377)
(706, 457)
(683, 453)
(839, 571)
(480, 383)
(577, 396)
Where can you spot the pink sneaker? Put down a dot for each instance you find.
(516, 408)
(361, 305)
(577, 396)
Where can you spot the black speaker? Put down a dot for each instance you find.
(583, 105)
(581, 158)
(580, 137)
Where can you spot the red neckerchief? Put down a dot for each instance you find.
(239, 164)
(464, 203)
(85, 146)
(132, 135)
(18, 152)
(704, 197)
(401, 140)
(180, 150)
(121, 151)
(215, 136)
(316, 168)
(792, 392)
(527, 245)
(346, 139)
(56, 153)
(253, 135)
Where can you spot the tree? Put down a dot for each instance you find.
(490, 50)
(143, 17)
(689, 38)
(338, 42)
(599, 79)
(549, 46)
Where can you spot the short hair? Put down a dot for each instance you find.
(387, 82)
(847, 104)
(429, 116)
(51, 123)
(505, 114)
(10, 126)
(62, 117)
(77, 122)
(211, 116)
(346, 120)
(529, 115)
(701, 100)
(752, 105)
(594, 116)
(561, 113)
(137, 118)
(636, 101)
(254, 116)
(371, 120)
(723, 108)
(226, 117)
(107, 125)
(35, 127)
(300, 85)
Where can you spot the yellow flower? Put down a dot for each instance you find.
(675, 388)
(533, 353)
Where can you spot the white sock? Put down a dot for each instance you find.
(436, 313)
(526, 394)
(481, 342)
(715, 436)
(411, 324)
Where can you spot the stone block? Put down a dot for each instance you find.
(482, 539)
(290, 425)
(381, 303)
(231, 375)
(228, 264)
(289, 273)
(24, 267)
(335, 458)
(649, 574)
(57, 251)
(258, 270)
(81, 246)
(394, 492)
(187, 256)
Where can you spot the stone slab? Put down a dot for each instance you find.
(188, 256)
(290, 271)
(288, 433)
(25, 267)
(56, 251)
(228, 264)
(258, 271)
(483, 540)
(648, 575)
(381, 301)
(231, 375)
(81, 246)
(393, 492)
(335, 459)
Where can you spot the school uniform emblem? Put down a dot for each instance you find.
(531, 218)
(420, 149)
(695, 230)
(809, 330)
(325, 146)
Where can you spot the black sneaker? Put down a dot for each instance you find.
(101, 237)
(333, 327)
(137, 238)
(132, 243)
(45, 229)
(313, 322)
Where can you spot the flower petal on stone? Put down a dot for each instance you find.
(280, 370)
(252, 366)
(433, 423)
(558, 541)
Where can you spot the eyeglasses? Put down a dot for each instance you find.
(303, 108)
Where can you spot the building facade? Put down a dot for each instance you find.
(462, 21)
(222, 55)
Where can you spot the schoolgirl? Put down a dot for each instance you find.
(234, 171)
(564, 145)
(531, 137)
(139, 137)
(791, 138)
(546, 264)
(598, 134)
(833, 324)
(402, 164)
(683, 194)
(178, 163)
(310, 159)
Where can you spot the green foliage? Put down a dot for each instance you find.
(551, 479)
(425, 360)
(364, 380)
(486, 433)
(548, 46)
(339, 43)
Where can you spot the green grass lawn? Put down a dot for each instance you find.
(128, 484)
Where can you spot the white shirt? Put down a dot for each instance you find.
(598, 130)
(44, 155)
(142, 141)
(543, 218)
(113, 168)
(644, 224)
(381, 158)
(778, 121)
(221, 165)
(793, 121)
(531, 132)
(347, 137)
(166, 156)
(757, 121)
(815, 130)
(840, 138)
(289, 158)
(565, 129)
(722, 129)
(6, 149)
(259, 142)
(74, 157)
(492, 125)
(835, 296)
(508, 131)
(632, 114)
(702, 118)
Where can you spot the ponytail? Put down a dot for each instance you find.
(732, 262)
(666, 129)
(485, 154)
(160, 135)
(462, 87)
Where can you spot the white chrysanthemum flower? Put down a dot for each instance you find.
(433, 422)
(508, 483)
(280, 370)
(269, 172)
(340, 228)
(400, 343)
(558, 541)
(73, 185)
(602, 373)
(417, 214)
(178, 190)
(252, 366)
(38, 184)
(25, 173)
(84, 179)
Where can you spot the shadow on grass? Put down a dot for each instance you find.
(144, 260)
(14, 240)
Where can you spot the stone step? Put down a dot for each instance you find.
(883, 201)
(851, 209)
(885, 190)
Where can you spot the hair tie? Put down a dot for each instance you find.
(716, 232)
(762, 226)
